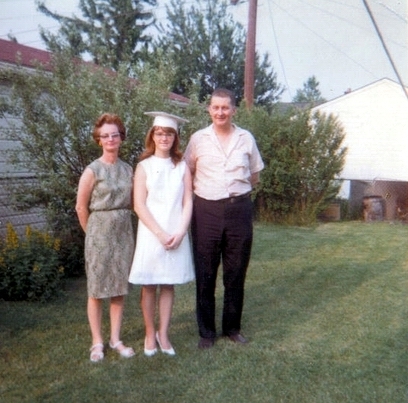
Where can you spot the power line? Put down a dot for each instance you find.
(393, 11)
(278, 50)
(346, 20)
(385, 47)
(325, 40)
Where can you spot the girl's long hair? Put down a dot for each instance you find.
(175, 154)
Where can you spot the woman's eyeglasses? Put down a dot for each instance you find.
(162, 134)
(113, 136)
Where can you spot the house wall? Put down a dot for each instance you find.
(18, 218)
(375, 120)
(12, 177)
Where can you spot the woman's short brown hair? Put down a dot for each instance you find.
(109, 118)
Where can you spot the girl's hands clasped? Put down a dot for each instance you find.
(173, 241)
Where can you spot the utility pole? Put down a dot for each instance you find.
(249, 76)
(250, 54)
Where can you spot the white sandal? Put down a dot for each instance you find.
(96, 355)
(125, 352)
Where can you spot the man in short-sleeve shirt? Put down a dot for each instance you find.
(225, 162)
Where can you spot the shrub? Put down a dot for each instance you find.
(303, 156)
(29, 268)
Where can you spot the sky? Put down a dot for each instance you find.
(333, 40)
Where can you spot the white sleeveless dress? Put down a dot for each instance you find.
(152, 264)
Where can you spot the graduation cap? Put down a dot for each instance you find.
(164, 119)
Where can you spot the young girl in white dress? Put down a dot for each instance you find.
(163, 203)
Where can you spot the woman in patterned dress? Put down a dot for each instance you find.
(163, 203)
(104, 209)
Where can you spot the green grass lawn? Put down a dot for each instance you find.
(326, 311)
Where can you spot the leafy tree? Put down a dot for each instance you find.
(208, 49)
(112, 31)
(310, 92)
(303, 157)
(55, 115)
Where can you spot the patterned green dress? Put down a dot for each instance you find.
(110, 238)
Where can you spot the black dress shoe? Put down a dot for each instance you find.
(205, 343)
(238, 338)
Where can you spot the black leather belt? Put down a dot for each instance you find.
(234, 199)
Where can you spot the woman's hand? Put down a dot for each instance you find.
(174, 241)
(164, 238)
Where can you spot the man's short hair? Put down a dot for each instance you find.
(224, 93)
